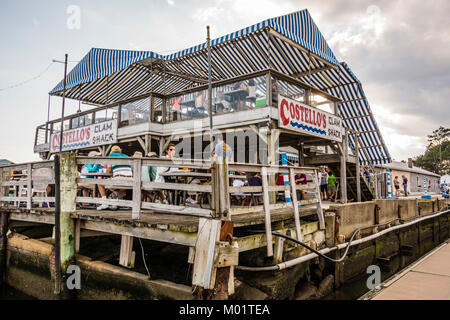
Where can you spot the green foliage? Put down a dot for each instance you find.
(437, 155)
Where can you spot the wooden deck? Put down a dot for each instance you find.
(427, 279)
(151, 219)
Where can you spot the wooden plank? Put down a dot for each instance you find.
(29, 186)
(181, 238)
(14, 183)
(295, 205)
(107, 182)
(127, 255)
(113, 202)
(191, 211)
(77, 235)
(319, 205)
(204, 272)
(266, 201)
(278, 252)
(358, 171)
(137, 194)
(176, 186)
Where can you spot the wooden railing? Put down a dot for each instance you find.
(135, 184)
(27, 181)
(218, 204)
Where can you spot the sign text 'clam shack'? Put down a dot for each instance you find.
(94, 135)
(297, 116)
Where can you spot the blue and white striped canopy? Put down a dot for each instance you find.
(291, 44)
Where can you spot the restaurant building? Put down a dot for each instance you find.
(277, 80)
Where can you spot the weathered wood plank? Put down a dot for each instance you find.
(137, 194)
(268, 222)
(204, 271)
(181, 238)
(127, 255)
(295, 205)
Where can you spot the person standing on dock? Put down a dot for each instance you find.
(323, 181)
(331, 185)
(397, 186)
(405, 185)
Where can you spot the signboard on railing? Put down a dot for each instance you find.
(297, 116)
(94, 135)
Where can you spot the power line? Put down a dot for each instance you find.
(29, 80)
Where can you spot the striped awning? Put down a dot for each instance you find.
(291, 44)
(354, 110)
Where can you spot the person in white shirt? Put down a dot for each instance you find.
(239, 195)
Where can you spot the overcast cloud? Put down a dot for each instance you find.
(400, 50)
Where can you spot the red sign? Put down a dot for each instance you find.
(296, 116)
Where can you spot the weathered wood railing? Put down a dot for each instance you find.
(135, 184)
(267, 188)
(29, 180)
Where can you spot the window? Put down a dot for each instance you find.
(106, 114)
(286, 89)
(157, 110)
(135, 112)
(237, 96)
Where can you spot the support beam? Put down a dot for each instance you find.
(343, 173)
(358, 171)
(127, 255)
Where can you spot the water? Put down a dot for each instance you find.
(11, 293)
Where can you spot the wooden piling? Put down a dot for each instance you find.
(3, 245)
(68, 174)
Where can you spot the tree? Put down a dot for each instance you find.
(437, 138)
(437, 155)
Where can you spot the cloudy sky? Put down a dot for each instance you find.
(400, 50)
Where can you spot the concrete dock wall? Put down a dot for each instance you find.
(29, 270)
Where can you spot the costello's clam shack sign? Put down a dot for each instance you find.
(90, 136)
(297, 116)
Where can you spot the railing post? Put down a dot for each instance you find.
(2, 188)
(29, 186)
(137, 168)
(295, 204)
(268, 220)
(4, 217)
(214, 242)
(358, 170)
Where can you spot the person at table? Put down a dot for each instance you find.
(91, 168)
(222, 149)
(276, 90)
(255, 181)
(239, 196)
(301, 179)
(251, 98)
(240, 92)
(199, 104)
(120, 172)
(169, 154)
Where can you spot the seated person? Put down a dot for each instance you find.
(251, 93)
(301, 179)
(86, 169)
(255, 181)
(239, 196)
(119, 172)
